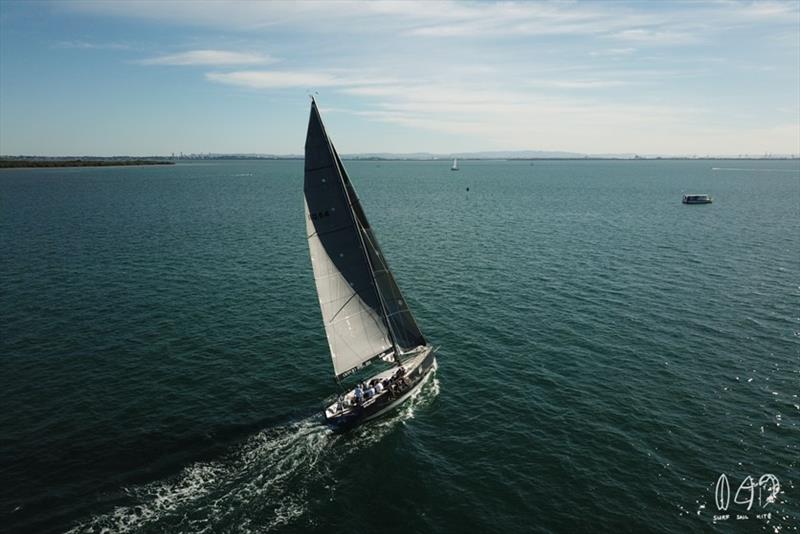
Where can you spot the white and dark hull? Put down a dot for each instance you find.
(697, 199)
(348, 414)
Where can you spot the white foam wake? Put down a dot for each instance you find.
(262, 485)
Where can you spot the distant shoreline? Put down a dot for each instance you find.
(26, 163)
(347, 157)
(88, 161)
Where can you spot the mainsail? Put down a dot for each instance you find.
(364, 312)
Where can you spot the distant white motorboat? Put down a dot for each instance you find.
(455, 165)
(696, 199)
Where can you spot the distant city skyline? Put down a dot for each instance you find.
(649, 78)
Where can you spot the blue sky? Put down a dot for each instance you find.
(138, 78)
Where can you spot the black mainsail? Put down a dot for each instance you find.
(364, 312)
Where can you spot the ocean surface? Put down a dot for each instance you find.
(606, 354)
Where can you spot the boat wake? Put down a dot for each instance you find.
(262, 485)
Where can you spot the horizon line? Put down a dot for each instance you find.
(417, 156)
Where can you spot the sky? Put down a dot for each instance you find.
(153, 78)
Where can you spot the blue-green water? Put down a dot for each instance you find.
(606, 352)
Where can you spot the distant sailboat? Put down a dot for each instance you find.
(365, 315)
(455, 165)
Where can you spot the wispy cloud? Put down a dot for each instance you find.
(276, 79)
(765, 9)
(580, 84)
(86, 45)
(509, 118)
(450, 18)
(480, 19)
(503, 74)
(453, 126)
(657, 36)
(414, 17)
(209, 58)
(612, 52)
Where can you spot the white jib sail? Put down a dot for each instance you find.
(355, 331)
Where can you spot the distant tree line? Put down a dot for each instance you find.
(18, 163)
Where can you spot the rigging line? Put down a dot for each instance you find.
(331, 230)
(319, 168)
(389, 274)
(343, 305)
(379, 254)
(362, 232)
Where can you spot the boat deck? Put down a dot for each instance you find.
(348, 400)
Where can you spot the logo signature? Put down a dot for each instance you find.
(749, 493)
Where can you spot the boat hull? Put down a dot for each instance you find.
(696, 199)
(387, 401)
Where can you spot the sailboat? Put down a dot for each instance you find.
(455, 165)
(365, 315)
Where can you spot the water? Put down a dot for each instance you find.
(607, 353)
